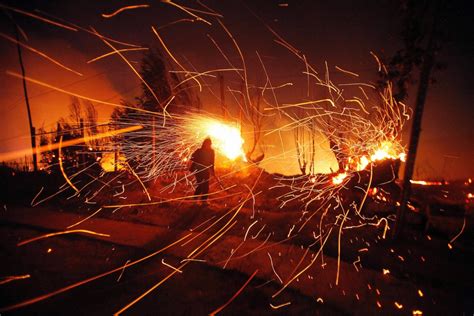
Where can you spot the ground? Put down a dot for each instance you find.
(420, 272)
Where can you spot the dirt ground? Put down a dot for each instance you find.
(199, 290)
(423, 272)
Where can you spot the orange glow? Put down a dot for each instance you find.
(398, 305)
(422, 182)
(109, 164)
(386, 271)
(417, 312)
(373, 191)
(339, 178)
(420, 293)
(23, 152)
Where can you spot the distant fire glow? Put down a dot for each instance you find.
(109, 163)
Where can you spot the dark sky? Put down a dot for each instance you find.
(340, 32)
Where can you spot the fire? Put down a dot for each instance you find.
(385, 150)
(107, 162)
(423, 182)
(339, 178)
(226, 138)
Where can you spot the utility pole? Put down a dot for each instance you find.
(82, 159)
(425, 73)
(221, 85)
(32, 129)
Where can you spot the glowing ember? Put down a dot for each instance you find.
(422, 182)
(338, 179)
(226, 138)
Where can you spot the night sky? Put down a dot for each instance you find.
(343, 33)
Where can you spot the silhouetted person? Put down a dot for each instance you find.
(202, 163)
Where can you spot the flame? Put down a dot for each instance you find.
(423, 182)
(339, 178)
(226, 138)
(107, 162)
(385, 150)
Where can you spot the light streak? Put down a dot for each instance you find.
(130, 7)
(398, 305)
(347, 71)
(60, 159)
(339, 246)
(248, 229)
(420, 293)
(7, 279)
(85, 219)
(115, 52)
(273, 268)
(123, 270)
(186, 10)
(460, 232)
(21, 153)
(40, 18)
(170, 266)
(235, 295)
(140, 181)
(74, 231)
(34, 50)
(279, 306)
(82, 97)
(355, 263)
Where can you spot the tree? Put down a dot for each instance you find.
(163, 88)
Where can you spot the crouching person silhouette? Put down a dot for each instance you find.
(202, 165)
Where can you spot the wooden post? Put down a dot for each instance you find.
(222, 90)
(25, 91)
(82, 157)
(425, 73)
(153, 139)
